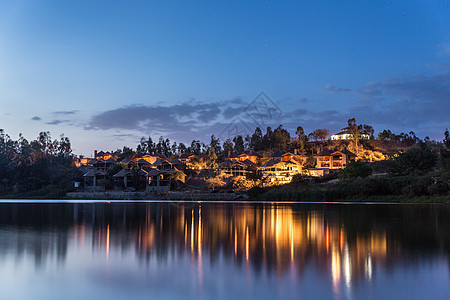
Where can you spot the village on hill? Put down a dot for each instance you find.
(244, 162)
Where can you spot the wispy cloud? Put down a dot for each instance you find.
(65, 112)
(333, 89)
(409, 102)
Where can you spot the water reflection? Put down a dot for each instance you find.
(345, 245)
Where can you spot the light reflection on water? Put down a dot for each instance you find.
(216, 250)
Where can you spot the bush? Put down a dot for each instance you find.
(416, 160)
(355, 169)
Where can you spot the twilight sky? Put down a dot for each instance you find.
(106, 73)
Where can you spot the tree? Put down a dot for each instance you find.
(355, 169)
(238, 143)
(320, 134)
(146, 146)
(367, 129)
(281, 138)
(354, 129)
(445, 151)
(195, 148)
(301, 138)
(256, 140)
(385, 135)
(416, 160)
(182, 149)
(227, 147)
(268, 139)
(215, 145)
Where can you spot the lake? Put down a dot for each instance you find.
(155, 250)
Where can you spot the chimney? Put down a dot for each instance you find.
(95, 153)
(296, 151)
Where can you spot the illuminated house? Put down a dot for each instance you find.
(102, 164)
(279, 171)
(245, 168)
(162, 164)
(105, 155)
(192, 161)
(334, 159)
(151, 158)
(81, 161)
(346, 135)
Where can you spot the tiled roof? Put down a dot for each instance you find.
(143, 162)
(123, 173)
(177, 162)
(92, 173)
(324, 153)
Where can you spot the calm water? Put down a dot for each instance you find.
(223, 251)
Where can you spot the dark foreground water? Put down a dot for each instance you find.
(223, 251)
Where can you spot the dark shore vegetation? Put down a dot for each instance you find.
(41, 168)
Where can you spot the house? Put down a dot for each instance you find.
(319, 172)
(250, 155)
(346, 135)
(296, 156)
(162, 164)
(125, 178)
(279, 171)
(105, 155)
(160, 180)
(245, 168)
(151, 158)
(94, 180)
(81, 161)
(334, 159)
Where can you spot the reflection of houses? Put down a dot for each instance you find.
(279, 171)
(334, 159)
(94, 179)
(346, 135)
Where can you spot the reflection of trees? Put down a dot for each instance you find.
(347, 241)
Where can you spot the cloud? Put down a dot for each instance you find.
(66, 112)
(58, 122)
(161, 120)
(410, 102)
(415, 102)
(332, 89)
(36, 118)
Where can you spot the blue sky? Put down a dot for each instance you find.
(109, 72)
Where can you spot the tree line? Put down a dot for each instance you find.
(41, 167)
(278, 138)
